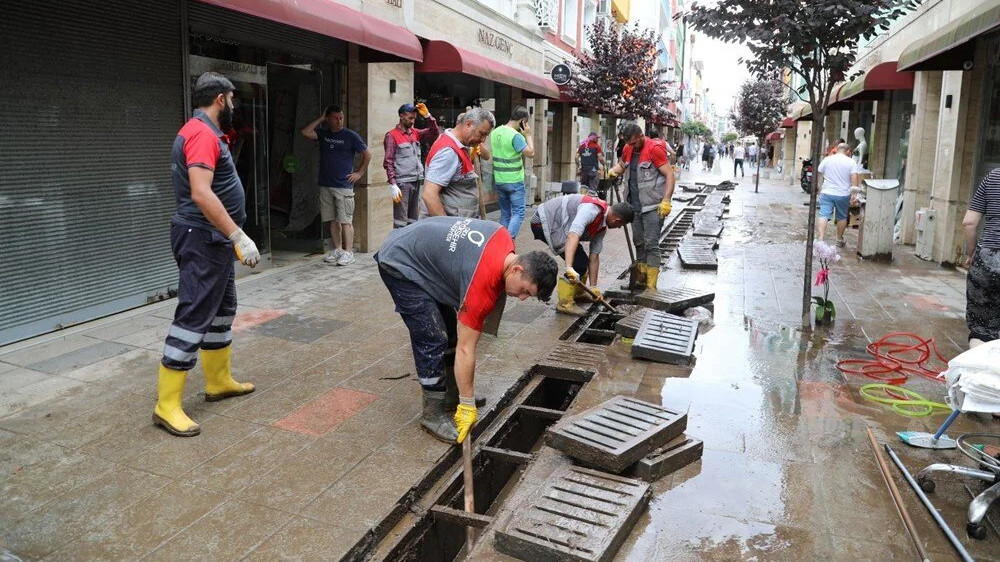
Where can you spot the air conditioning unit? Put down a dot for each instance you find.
(924, 225)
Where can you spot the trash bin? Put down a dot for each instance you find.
(570, 187)
(875, 237)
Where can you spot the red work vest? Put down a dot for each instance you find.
(445, 141)
(597, 225)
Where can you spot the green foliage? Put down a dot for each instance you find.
(729, 137)
(759, 107)
(696, 129)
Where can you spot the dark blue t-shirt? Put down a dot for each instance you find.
(336, 155)
(200, 143)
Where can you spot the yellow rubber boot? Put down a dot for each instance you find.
(566, 304)
(168, 412)
(640, 283)
(580, 295)
(219, 383)
(652, 275)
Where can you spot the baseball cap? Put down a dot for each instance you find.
(407, 108)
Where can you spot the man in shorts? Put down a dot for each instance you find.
(337, 176)
(837, 174)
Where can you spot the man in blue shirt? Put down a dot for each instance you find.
(337, 176)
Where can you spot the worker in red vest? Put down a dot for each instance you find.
(450, 182)
(649, 185)
(404, 168)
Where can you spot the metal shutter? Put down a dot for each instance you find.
(91, 101)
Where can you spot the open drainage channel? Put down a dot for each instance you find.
(429, 524)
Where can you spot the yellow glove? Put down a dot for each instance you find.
(465, 417)
(474, 152)
(664, 208)
(572, 275)
(612, 174)
(422, 110)
(596, 291)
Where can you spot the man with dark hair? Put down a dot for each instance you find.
(511, 143)
(446, 276)
(564, 222)
(403, 165)
(649, 185)
(590, 161)
(337, 176)
(450, 186)
(205, 234)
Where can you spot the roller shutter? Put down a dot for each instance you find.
(91, 102)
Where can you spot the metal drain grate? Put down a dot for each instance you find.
(628, 327)
(694, 257)
(572, 361)
(665, 338)
(579, 515)
(617, 433)
(672, 300)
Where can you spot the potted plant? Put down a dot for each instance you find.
(826, 254)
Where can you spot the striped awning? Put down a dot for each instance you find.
(951, 46)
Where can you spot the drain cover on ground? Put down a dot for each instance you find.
(713, 228)
(672, 457)
(672, 300)
(580, 515)
(628, 327)
(693, 257)
(616, 433)
(572, 361)
(665, 338)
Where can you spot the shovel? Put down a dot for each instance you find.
(593, 295)
(633, 270)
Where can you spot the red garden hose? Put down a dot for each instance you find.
(897, 356)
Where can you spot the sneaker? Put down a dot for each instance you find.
(333, 256)
(841, 243)
(347, 258)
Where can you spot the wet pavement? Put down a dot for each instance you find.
(329, 444)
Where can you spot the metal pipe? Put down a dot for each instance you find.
(930, 507)
(897, 498)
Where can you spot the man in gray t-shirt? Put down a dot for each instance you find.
(450, 182)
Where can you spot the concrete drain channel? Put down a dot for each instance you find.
(429, 525)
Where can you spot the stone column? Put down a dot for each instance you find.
(878, 137)
(951, 147)
(830, 130)
(921, 153)
(540, 163)
(789, 159)
(371, 111)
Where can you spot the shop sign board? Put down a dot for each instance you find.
(561, 74)
(495, 41)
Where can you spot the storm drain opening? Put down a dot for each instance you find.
(436, 530)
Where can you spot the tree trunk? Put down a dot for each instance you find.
(816, 148)
(756, 182)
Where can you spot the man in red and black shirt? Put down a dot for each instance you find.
(445, 275)
(403, 166)
(205, 234)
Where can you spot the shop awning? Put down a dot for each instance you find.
(803, 113)
(441, 56)
(773, 136)
(951, 46)
(334, 20)
(878, 79)
(788, 123)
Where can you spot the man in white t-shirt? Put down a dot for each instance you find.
(837, 174)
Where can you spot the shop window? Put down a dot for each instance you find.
(570, 20)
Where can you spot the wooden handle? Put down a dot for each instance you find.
(470, 500)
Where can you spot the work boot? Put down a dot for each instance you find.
(640, 283)
(566, 303)
(652, 274)
(579, 293)
(219, 383)
(436, 419)
(168, 412)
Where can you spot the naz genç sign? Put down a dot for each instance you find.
(497, 42)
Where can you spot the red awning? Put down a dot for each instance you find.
(870, 85)
(334, 20)
(774, 136)
(788, 123)
(441, 56)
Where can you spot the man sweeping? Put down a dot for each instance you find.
(564, 222)
(445, 275)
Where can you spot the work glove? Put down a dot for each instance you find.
(597, 292)
(422, 110)
(465, 417)
(572, 275)
(612, 174)
(663, 209)
(474, 152)
(395, 193)
(246, 250)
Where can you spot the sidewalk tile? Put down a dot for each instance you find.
(15, 377)
(328, 411)
(176, 455)
(29, 487)
(305, 540)
(34, 353)
(36, 393)
(246, 461)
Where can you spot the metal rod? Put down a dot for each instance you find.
(897, 498)
(930, 507)
(946, 423)
(470, 501)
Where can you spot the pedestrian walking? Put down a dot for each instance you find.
(982, 289)
(590, 162)
(738, 154)
(403, 164)
(837, 175)
(649, 181)
(511, 143)
(205, 235)
(446, 275)
(564, 222)
(451, 183)
(706, 157)
(338, 147)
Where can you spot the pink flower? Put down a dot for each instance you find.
(822, 276)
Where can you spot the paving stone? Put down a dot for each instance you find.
(571, 361)
(581, 516)
(79, 358)
(305, 329)
(628, 327)
(672, 457)
(665, 338)
(616, 433)
(697, 258)
(712, 228)
(676, 299)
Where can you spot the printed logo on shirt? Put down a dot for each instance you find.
(461, 230)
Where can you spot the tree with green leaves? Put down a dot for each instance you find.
(696, 130)
(760, 105)
(620, 77)
(729, 137)
(816, 41)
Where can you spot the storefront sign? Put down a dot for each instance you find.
(235, 71)
(497, 42)
(561, 74)
(396, 3)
